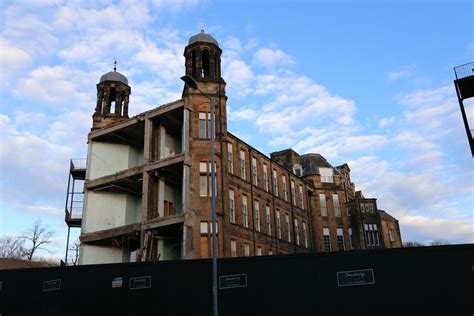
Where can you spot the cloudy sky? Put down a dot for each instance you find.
(369, 83)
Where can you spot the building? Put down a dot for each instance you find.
(147, 181)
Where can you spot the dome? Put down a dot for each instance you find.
(203, 37)
(114, 76)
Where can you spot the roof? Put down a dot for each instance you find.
(204, 38)
(312, 162)
(114, 76)
(384, 215)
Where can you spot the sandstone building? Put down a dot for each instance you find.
(147, 183)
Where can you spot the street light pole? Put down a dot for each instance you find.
(193, 84)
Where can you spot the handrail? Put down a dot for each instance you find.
(78, 164)
(465, 70)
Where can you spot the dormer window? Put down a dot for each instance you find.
(298, 170)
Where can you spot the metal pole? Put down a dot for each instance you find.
(464, 119)
(213, 205)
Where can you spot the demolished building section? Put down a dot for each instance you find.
(147, 182)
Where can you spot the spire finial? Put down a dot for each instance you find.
(115, 65)
(202, 31)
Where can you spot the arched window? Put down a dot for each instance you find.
(205, 63)
(193, 64)
(216, 66)
(122, 101)
(112, 98)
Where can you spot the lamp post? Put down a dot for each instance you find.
(193, 84)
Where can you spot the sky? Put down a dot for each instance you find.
(369, 83)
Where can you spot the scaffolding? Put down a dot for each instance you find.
(74, 198)
(464, 84)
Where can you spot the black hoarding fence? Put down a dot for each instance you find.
(423, 281)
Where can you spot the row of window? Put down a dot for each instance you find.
(324, 207)
(246, 246)
(340, 239)
(265, 225)
(367, 207)
(372, 234)
(265, 182)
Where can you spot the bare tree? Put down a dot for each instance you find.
(74, 253)
(39, 236)
(12, 247)
(439, 242)
(413, 244)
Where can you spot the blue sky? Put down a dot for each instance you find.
(369, 83)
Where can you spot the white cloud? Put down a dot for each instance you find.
(403, 73)
(167, 63)
(237, 75)
(425, 229)
(387, 121)
(37, 166)
(58, 84)
(242, 114)
(428, 96)
(267, 57)
(175, 5)
(150, 94)
(12, 61)
(298, 102)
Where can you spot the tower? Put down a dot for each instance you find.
(113, 94)
(203, 58)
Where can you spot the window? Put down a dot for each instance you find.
(202, 125)
(370, 207)
(230, 159)
(326, 175)
(254, 171)
(257, 216)
(259, 251)
(301, 197)
(245, 218)
(278, 224)
(270, 252)
(340, 239)
(322, 202)
(233, 248)
(246, 249)
(368, 235)
(391, 234)
(242, 164)
(204, 228)
(293, 192)
(285, 192)
(232, 206)
(203, 177)
(305, 235)
(327, 239)
(350, 238)
(265, 177)
(275, 183)
(298, 170)
(268, 219)
(297, 232)
(337, 207)
(376, 235)
(287, 220)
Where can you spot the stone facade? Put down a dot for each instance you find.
(148, 183)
